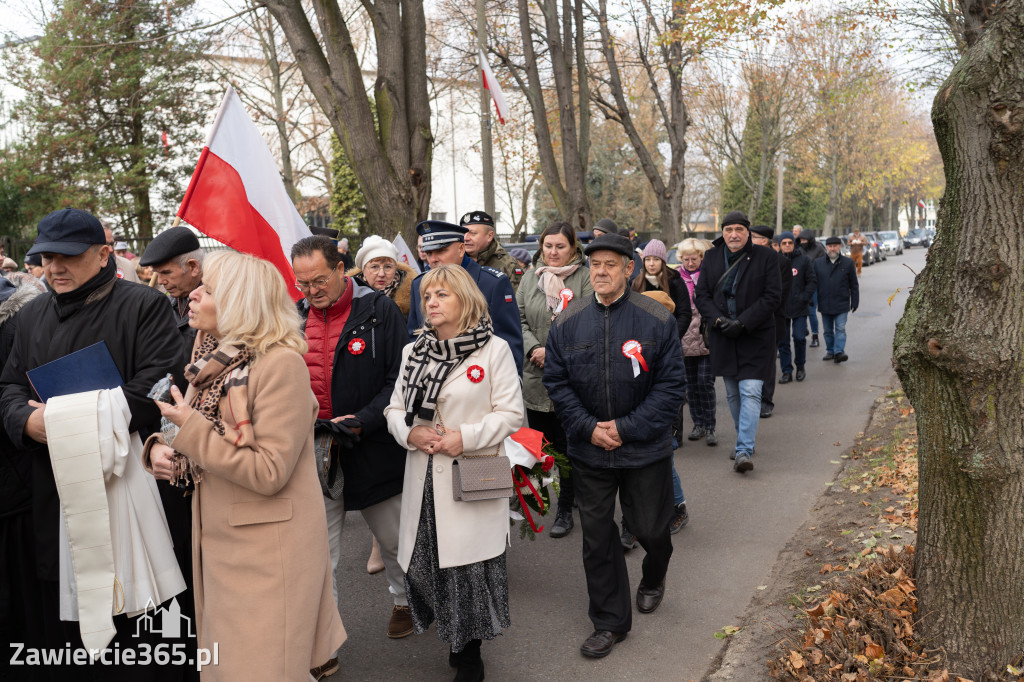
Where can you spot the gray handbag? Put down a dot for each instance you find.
(479, 477)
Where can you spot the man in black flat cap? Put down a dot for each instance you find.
(838, 296)
(443, 244)
(87, 304)
(614, 370)
(762, 235)
(482, 247)
(177, 260)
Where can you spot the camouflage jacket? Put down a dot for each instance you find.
(494, 256)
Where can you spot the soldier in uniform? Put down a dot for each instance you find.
(482, 247)
(443, 244)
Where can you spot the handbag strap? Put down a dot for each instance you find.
(444, 431)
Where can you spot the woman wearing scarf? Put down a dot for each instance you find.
(559, 278)
(658, 276)
(700, 380)
(458, 394)
(245, 437)
(378, 267)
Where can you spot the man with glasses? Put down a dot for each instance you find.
(355, 336)
(125, 269)
(443, 244)
(805, 283)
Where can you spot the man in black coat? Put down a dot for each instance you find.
(614, 370)
(762, 235)
(813, 250)
(737, 294)
(87, 304)
(805, 284)
(838, 295)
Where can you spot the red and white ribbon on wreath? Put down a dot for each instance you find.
(632, 350)
(564, 296)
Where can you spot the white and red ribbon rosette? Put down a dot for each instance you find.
(634, 351)
(564, 296)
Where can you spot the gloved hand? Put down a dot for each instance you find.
(731, 328)
(853, 309)
(343, 435)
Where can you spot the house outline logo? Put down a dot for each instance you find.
(170, 621)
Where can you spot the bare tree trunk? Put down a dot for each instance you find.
(959, 352)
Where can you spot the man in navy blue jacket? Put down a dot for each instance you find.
(443, 244)
(838, 295)
(614, 371)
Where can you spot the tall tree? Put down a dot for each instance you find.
(960, 356)
(391, 159)
(104, 84)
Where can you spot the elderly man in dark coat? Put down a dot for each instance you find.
(762, 235)
(737, 294)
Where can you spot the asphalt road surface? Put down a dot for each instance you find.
(738, 525)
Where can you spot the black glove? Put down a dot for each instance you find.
(853, 309)
(731, 328)
(343, 435)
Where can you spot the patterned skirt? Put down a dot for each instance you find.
(466, 602)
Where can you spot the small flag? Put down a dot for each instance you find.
(405, 254)
(491, 85)
(508, 298)
(921, 204)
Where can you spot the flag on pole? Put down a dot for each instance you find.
(236, 195)
(405, 254)
(921, 204)
(492, 86)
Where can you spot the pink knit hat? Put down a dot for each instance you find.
(656, 249)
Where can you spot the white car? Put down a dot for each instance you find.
(891, 242)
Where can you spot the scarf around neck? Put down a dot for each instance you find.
(421, 385)
(691, 280)
(551, 280)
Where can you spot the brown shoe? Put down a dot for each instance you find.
(328, 668)
(401, 622)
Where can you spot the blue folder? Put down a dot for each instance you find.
(89, 369)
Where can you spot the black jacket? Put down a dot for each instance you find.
(590, 379)
(786, 280)
(188, 341)
(812, 249)
(15, 471)
(680, 297)
(361, 385)
(805, 283)
(138, 328)
(757, 297)
(838, 291)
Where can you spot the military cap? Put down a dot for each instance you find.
(169, 244)
(438, 234)
(477, 218)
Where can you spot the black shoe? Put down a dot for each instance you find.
(785, 378)
(766, 411)
(470, 665)
(800, 374)
(649, 598)
(563, 523)
(711, 438)
(842, 357)
(828, 356)
(742, 464)
(814, 340)
(600, 644)
(628, 539)
(679, 519)
(696, 434)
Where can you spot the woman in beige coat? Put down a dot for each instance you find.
(458, 394)
(245, 437)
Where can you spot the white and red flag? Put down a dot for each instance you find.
(921, 204)
(492, 86)
(236, 194)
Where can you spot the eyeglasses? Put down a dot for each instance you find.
(374, 268)
(318, 283)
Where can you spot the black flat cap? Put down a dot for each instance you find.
(34, 259)
(69, 232)
(833, 240)
(169, 244)
(763, 230)
(736, 218)
(477, 218)
(438, 234)
(610, 242)
(606, 225)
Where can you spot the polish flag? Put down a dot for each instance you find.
(921, 204)
(491, 85)
(236, 195)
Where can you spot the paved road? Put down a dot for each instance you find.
(739, 524)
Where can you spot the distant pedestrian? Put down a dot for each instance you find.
(805, 284)
(813, 250)
(700, 380)
(762, 235)
(838, 295)
(857, 242)
(346, 257)
(737, 294)
(522, 257)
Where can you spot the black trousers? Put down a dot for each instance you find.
(646, 497)
(768, 387)
(549, 424)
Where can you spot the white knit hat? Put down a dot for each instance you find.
(375, 247)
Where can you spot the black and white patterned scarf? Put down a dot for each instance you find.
(420, 385)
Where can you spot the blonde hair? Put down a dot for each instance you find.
(253, 306)
(691, 245)
(457, 281)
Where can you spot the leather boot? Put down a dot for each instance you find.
(470, 663)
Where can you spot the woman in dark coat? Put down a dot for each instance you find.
(658, 276)
(737, 294)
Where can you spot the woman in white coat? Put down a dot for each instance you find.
(459, 393)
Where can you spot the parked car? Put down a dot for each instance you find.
(875, 244)
(919, 236)
(892, 242)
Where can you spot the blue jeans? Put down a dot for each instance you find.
(744, 396)
(834, 327)
(677, 486)
(797, 329)
(814, 313)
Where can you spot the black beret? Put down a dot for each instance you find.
(763, 230)
(324, 232)
(610, 242)
(477, 218)
(606, 225)
(736, 218)
(169, 244)
(833, 240)
(438, 234)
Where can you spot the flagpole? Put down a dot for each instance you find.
(486, 153)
